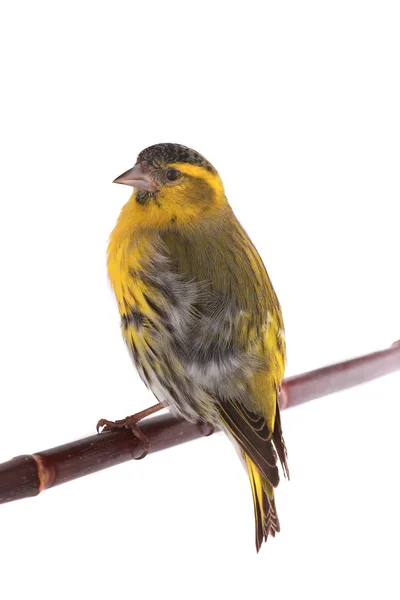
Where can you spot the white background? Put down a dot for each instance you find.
(297, 105)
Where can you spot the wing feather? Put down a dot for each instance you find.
(252, 435)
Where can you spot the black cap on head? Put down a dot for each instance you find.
(166, 154)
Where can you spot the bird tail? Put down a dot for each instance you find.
(266, 517)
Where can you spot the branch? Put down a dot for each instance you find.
(29, 475)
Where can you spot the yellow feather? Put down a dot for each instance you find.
(263, 496)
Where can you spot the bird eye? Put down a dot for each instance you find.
(173, 174)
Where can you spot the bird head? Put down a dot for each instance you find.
(173, 185)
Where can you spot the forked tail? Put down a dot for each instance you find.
(266, 517)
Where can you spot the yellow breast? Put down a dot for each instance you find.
(127, 254)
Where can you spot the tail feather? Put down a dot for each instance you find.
(266, 517)
(260, 448)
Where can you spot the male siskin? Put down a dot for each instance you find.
(198, 311)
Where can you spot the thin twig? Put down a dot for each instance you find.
(29, 475)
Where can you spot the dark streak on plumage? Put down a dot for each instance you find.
(155, 308)
(133, 349)
(166, 291)
(173, 393)
(145, 373)
(150, 347)
(143, 196)
(134, 317)
(172, 374)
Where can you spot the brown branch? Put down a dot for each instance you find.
(28, 475)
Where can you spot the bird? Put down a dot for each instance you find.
(199, 314)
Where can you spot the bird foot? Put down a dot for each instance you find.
(132, 424)
(206, 429)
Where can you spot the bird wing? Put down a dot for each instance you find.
(232, 345)
(252, 435)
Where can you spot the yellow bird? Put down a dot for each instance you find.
(199, 314)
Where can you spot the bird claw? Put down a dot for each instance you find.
(107, 425)
(127, 423)
(132, 424)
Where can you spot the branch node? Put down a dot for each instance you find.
(46, 471)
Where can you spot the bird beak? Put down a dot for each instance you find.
(138, 177)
